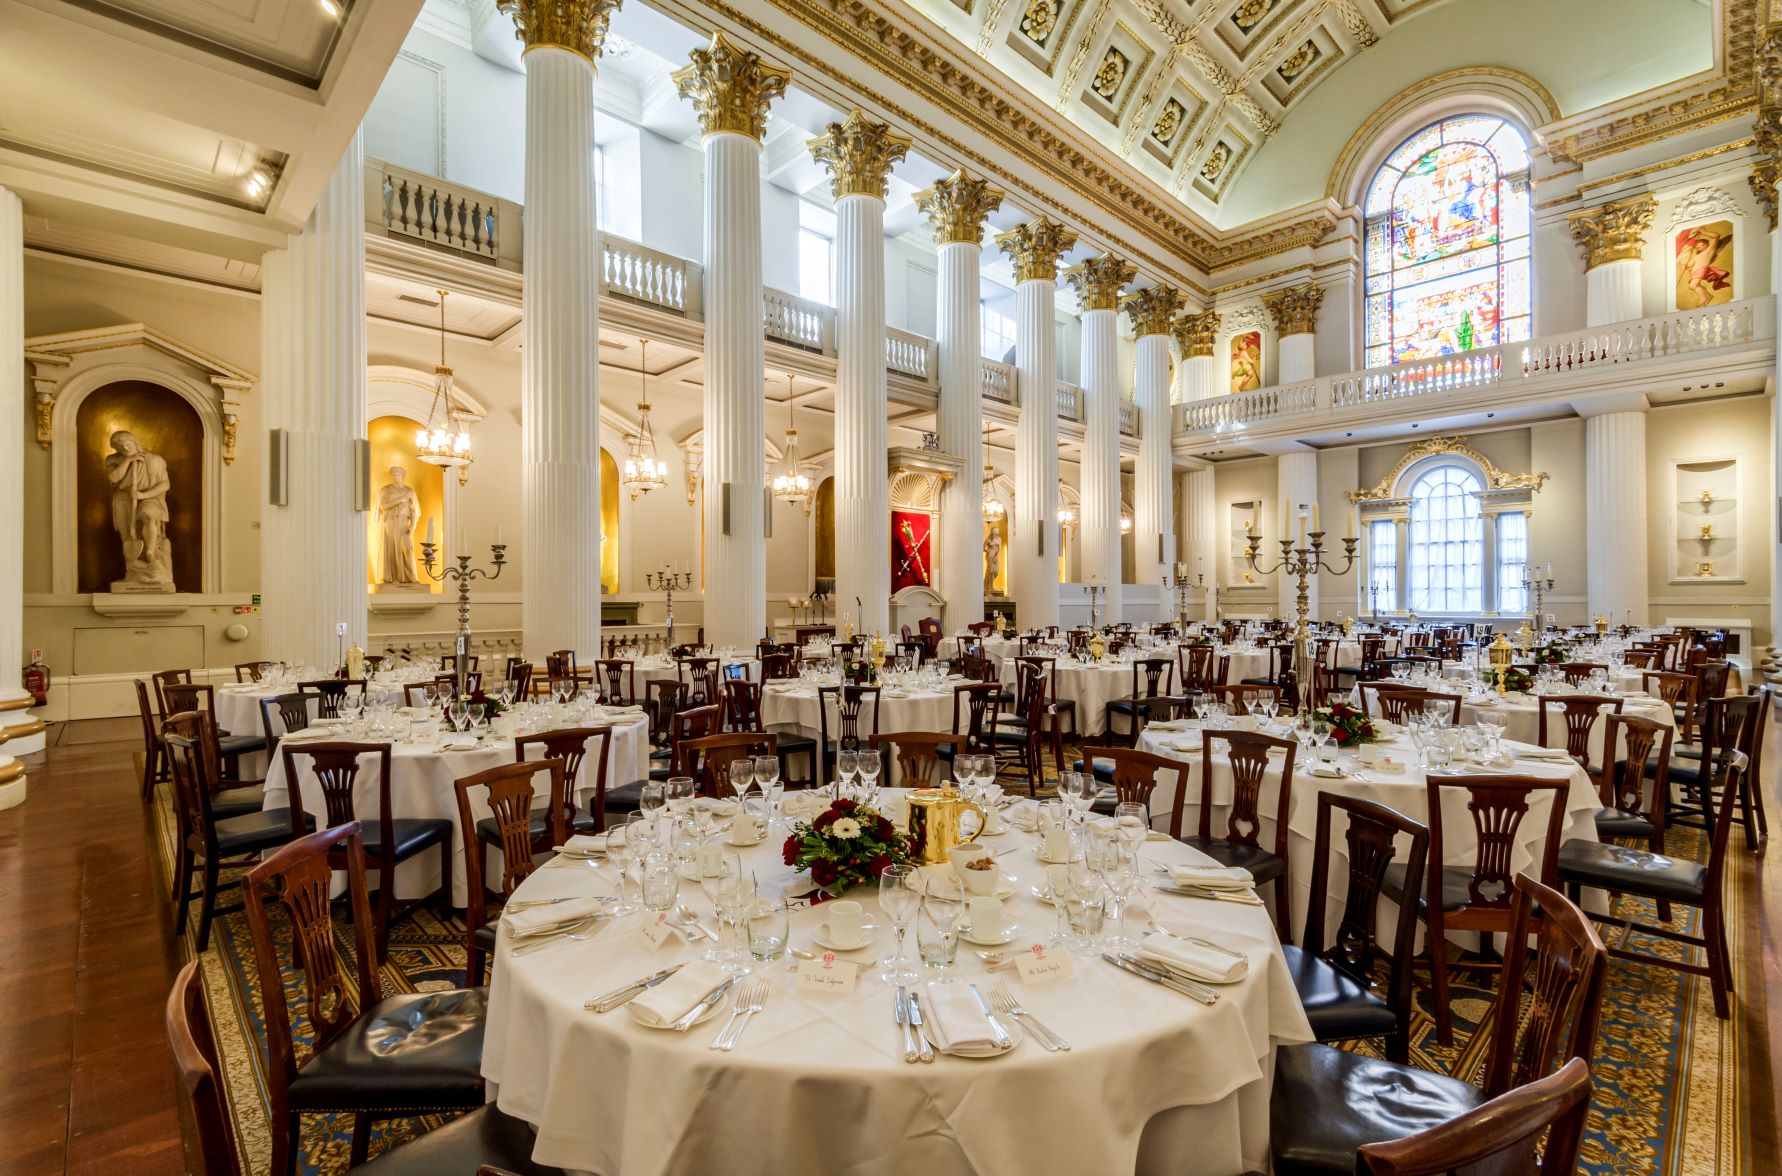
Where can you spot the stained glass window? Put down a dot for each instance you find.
(1447, 243)
(1447, 541)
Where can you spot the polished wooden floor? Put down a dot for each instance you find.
(87, 955)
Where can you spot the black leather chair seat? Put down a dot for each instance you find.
(412, 1052)
(790, 737)
(237, 802)
(1612, 822)
(944, 752)
(1688, 772)
(233, 745)
(1263, 865)
(627, 798)
(485, 1136)
(1327, 1102)
(485, 938)
(411, 835)
(1339, 1007)
(1129, 706)
(1258, 682)
(489, 833)
(1104, 770)
(1456, 886)
(1633, 871)
(253, 832)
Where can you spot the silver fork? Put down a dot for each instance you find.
(1006, 1002)
(736, 1010)
(757, 1002)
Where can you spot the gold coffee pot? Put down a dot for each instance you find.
(934, 823)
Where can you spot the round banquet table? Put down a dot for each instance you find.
(900, 709)
(423, 785)
(1399, 785)
(1154, 1082)
(997, 649)
(238, 712)
(1520, 715)
(1091, 685)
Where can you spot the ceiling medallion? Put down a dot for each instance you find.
(1169, 121)
(1039, 20)
(1296, 64)
(1110, 75)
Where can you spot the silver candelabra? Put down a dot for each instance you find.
(463, 574)
(668, 583)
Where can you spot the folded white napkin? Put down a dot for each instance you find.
(1535, 751)
(1212, 877)
(305, 734)
(1172, 724)
(584, 843)
(1323, 770)
(459, 743)
(675, 997)
(1194, 959)
(802, 804)
(955, 1018)
(536, 920)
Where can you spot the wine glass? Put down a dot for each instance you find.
(937, 921)
(1320, 736)
(847, 764)
(653, 797)
(1132, 823)
(742, 776)
(619, 851)
(1118, 865)
(430, 694)
(867, 765)
(678, 790)
(459, 712)
(767, 774)
(1084, 895)
(898, 898)
(736, 898)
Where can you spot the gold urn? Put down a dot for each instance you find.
(1502, 655)
(1601, 624)
(934, 823)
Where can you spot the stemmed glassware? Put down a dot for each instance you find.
(847, 763)
(937, 922)
(866, 765)
(767, 775)
(678, 790)
(619, 851)
(742, 776)
(1084, 894)
(1117, 863)
(719, 874)
(459, 712)
(898, 899)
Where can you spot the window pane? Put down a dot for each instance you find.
(1383, 566)
(1446, 541)
(1512, 561)
(815, 258)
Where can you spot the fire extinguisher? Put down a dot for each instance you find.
(37, 682)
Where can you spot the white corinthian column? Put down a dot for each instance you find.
(1153, 506)
(1098, 282)
(1615, 516)
(1611, 238)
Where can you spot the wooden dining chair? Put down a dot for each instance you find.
(976, 712)
(707, 759)
(1579, 714)
(1025, 737)
(165, 678)
(1327, 1103)
(618, 681)
(742, 712)
(332, 692)
(251, 671)
(517, 824)
(1334, 976)
(154, 756)
(1238, 695)
(850, 703)
(916, 754)
(1725, 728)
(1396, 702)
(229, 746)
(1502, 1135)
(1677, 691)
(206, 842)
(574, 746)
(1478, 896)
(473, 681)
(1132, 774)
(281, 714)
(1058, 709)
(448, 663)
(518, 675)
(1627, 814)
(700, 676)
(388, 840)
(1152, 682)
(371, 1056)
(1247, 756)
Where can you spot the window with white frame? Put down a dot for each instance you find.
(816, 253)
(1512, 561)
(1382, 579)
(997, 333)
(1446, 541)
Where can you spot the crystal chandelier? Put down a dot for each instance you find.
(1125, 523)
(444, 441)
(993, 507)
(643, 471)
(1066, 517)
(792, 484)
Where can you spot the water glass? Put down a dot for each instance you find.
(653, 797)
(768, 928)
(867, 764)
(898, 899)
(661, 882)
(937, 922)
(619, 852)
(679, 793)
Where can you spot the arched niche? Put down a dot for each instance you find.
(165, 425)
(71, 366)
(399, 400)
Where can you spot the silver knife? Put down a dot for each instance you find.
(1171, 973)
(618, 996)
(1003, 1040)
(1126, 965)
(900, 1013)
(927, 1048)
(707, 1001)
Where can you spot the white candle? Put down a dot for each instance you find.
(1352, 530)
(429, 528)
(1315, 525)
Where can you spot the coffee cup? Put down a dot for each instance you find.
(744, 828)
(987, 919)
(844, 922)
(959, 855)
(977, 872)
(1368, 754)
(1055, 844)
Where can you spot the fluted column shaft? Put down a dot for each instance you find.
(961, 420)
(1612, 292)
(1296, 484)
(1200, 378)
(12, 484)
(560, 364)
(735, 421)
(1295, 354)
(312, 316)
(1033, 544)
(1153, 510)
(1615, 515)
(862, 488)
(1098, 516)
(1202, 556)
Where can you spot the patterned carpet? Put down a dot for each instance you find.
(1670, 1097)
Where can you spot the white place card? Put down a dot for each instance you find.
(657, 930)
(1037, 964)
(826, 973)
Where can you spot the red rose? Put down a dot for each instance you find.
(1341, 736)
(845, 805)
(825, 819)
(823, 872)
(879, 864)
(885, 829)
(789, 851)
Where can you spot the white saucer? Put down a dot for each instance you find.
(1040, 856)
(1005, 887)
(718, 1007)
(1008, 935)
(728, 840)
(869, 931)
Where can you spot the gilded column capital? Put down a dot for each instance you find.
(576, 25)
(1099, 280)
(730, 88)
(1194, 333)
(1152, 308)
(957, 208)
(858, 153)
(1766, 170)
(1613, 232)
(1035, 248)
(1295, 309)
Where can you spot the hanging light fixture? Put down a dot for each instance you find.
(792, 484)
(1125, 523)
(994, 510)
(643, 471)
(445, 441)
(1066, 517)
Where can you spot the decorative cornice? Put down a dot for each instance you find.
(730, 88)
(859, 154)
(1295, 309)
(957, 208)
(1099, 280)
(1194, 333)
(1495, 479)
(576, 25)
(1613, 232)
(1035, 248)
(1150, 309)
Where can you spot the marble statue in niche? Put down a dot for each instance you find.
(139, 486)
(398, 512)
(992, 559)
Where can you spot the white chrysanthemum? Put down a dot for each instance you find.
(846, 828)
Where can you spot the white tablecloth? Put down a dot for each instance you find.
(422, 784)
(1522, 722)
(997, 649)
(914, 710)
(238, 712)
(1154, 1082)
(1401, 787)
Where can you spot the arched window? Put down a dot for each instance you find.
(1448, 242)
(1446, 541)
